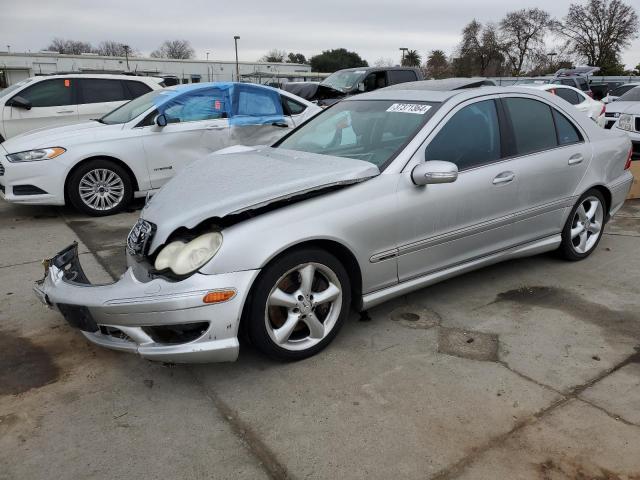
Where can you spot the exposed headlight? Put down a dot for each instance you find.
(35, 155)
(625, 122)
(183, 258)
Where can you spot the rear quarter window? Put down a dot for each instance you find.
(136, 89)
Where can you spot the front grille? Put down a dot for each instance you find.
(1, 169)
(609, 114)
(140, 237)
(27, 190)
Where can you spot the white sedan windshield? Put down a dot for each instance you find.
(371, 130)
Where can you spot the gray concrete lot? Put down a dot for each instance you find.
(528, 369)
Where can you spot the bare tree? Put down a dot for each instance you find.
(109, 48)
(383, 62)
(437, 65)
(599, 31)
(69, 47)
(274, 55)
(179, 49)
(522, 36)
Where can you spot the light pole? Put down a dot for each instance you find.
(403, 50)
(551, 55)
(207, 56)
(8, 48)
(235, 39)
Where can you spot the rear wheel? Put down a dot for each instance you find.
(299, 303)
(584, 227)
(100, 187)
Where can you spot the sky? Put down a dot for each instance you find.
(375, 28)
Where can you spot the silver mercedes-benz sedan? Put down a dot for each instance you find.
(379, 195)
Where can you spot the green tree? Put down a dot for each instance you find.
(411, 59)
(336, 59)
(437, 65)
(479, 52)
(297, 58)
(599, 30)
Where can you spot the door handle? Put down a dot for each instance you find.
(215, 127)
(280, 124)
(65, 111)
(575, 159)
(504, 177)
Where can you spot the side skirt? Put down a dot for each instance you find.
(533, 248)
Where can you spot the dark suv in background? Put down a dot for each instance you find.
(352, 81)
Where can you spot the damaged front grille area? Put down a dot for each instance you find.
(176, 334)
(139, 238)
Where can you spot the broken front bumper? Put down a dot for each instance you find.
(156, 318)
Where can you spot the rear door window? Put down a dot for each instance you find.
(532, 124)
(136, 88)
(50, 93)
(293, 107)
(98, 90)
(470, 138)
(401, 76)
(569, 95)
(566, 131)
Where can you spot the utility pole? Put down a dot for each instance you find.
(126, 49)
(235, 39)
(207, 56)
(551, 55)
(8, 48)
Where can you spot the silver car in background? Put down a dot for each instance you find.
(377, 196)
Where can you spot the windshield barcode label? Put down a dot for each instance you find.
(418, 108)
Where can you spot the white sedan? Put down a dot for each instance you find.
(594, 109)
(99, 166)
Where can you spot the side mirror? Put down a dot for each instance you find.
(161, 120)
(434, 171)
(361, 87)
(19, 102)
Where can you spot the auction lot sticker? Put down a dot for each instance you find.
(417, 108)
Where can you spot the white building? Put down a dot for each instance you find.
(18, 66)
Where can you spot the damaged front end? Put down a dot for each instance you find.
(183, 321)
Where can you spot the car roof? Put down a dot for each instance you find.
(443, 84)
(368, 69)
(550, 86)
(98, 75)
(417, 95)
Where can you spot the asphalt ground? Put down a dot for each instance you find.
(527, 369)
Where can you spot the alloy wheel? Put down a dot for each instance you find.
(587, 224)
(303, 307)
(101, 189)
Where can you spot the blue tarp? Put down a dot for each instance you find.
(241, 103)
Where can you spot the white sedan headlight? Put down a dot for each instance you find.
(35, 155)
(186, 257)
(625, 122)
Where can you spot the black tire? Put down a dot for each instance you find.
(102, 165)
(568, 250)
(259, 314)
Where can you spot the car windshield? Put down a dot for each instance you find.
(371, 130)
(632, 95)
(14, 87)
(132, 109)
(344, 81)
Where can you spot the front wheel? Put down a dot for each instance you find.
(299, 303)
(100, 187)
(584, 227)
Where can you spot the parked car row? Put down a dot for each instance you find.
(99, 166)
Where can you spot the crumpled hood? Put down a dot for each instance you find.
(58, 136)
(624, 107)
(237, 179)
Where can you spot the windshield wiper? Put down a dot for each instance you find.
(99, 120)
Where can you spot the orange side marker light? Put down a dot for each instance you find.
(219, 296)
